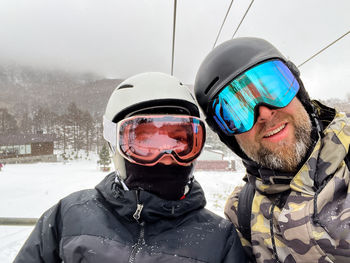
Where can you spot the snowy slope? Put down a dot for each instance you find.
(27, 190)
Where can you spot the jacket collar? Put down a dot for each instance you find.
(125, 202)
(327, 157)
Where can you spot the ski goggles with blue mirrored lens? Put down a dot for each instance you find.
(270, 83)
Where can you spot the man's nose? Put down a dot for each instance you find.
(265, 114)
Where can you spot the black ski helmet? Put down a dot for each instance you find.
(227, 61)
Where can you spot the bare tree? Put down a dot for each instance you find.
(8, 123)
(87, 124)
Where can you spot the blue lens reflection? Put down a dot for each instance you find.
(270, 83)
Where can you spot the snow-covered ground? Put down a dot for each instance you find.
(27, 190)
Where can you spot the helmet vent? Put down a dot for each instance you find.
(211, 85)
(126, 86)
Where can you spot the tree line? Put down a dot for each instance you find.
(75, 129)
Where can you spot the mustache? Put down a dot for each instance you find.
(263, 127)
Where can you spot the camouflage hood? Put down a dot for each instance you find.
(306, 217)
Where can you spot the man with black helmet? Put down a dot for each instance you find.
(150, 209)
(295, 204)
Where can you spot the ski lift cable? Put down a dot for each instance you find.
(173, 44)
(245, 14)
(223, 22)
(323, 49)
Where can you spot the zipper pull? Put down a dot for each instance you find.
(138, 211)
(139, 207)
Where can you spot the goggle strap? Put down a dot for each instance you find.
(110, 131)
(212, 124)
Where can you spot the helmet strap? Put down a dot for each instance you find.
(119, 165)
(120, 181)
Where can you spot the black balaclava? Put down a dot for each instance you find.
(166, 181)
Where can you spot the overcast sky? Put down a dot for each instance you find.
(120, 38)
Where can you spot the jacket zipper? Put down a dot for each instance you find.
(274, 249)
(141, 239)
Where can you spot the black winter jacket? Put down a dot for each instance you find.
(99, 225)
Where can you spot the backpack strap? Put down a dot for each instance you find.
(244, 210)
(347, 159)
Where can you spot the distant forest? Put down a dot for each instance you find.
(67, 105)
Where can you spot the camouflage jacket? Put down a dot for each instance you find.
(313, 223)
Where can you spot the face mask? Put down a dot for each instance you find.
(166, 181)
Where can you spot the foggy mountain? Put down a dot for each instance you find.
(25, 87)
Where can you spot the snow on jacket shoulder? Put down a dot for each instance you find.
(313, 223)
(98, 226)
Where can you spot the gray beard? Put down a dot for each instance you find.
(286, 160)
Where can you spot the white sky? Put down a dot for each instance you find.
(119, 38)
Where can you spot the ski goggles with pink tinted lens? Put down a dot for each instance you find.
(146, 139)
(270, 83)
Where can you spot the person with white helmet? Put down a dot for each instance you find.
(150, 209)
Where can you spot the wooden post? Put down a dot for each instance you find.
(16, 221)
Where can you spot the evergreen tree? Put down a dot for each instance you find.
(104, 158)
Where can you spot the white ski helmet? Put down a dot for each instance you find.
(145, 93)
